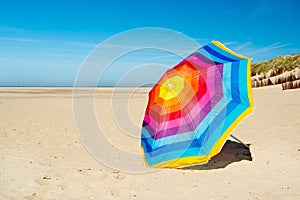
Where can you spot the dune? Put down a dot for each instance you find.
(42, 156)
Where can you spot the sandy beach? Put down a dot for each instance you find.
(42, 155)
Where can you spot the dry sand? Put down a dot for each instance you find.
(42, 157)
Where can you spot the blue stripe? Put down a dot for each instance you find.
(243, 82)
(212, 57)
(182, 153)
(235, 91)
(217, 54)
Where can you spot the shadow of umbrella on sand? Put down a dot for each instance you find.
(230, 153)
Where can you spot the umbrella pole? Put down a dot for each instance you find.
(239, 141)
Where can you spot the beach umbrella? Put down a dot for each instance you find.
(194, 107)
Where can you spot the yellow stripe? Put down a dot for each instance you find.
(178, 162)
(250, 97)
(182, 162)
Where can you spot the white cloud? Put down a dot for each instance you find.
(276, 45)
(230, 43)
(11, 29)
(243, 46)
(16, 39)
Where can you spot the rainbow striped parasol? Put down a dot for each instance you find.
(194, 107)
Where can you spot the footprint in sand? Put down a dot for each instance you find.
(33, 196)
(44, 180)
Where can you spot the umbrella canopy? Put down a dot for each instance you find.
(194, 107)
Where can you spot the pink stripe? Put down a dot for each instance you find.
(198, 62)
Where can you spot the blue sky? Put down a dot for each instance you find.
(44, 43)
